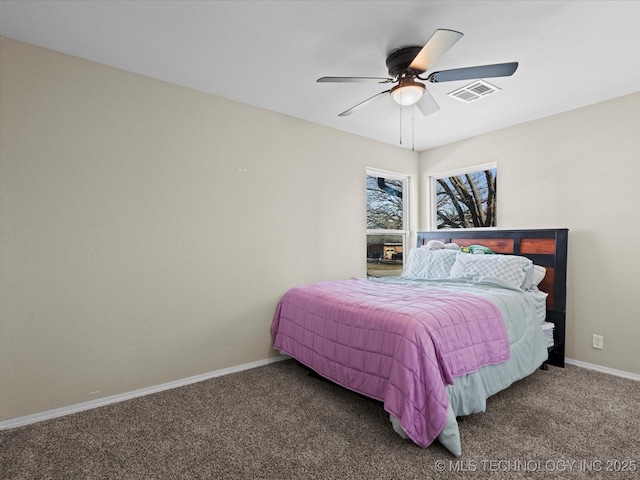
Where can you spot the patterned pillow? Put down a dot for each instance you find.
(540, 301)
(429, 264)
(508, 268)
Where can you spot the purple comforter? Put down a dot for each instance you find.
(401, 345)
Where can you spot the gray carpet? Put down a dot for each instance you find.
(277, 422)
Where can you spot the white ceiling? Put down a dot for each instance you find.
(270, 53)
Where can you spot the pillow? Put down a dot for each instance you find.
(511, 269)
(533, 277)
(538, 274)
(540, 302)
(434, 245)
(429, 264)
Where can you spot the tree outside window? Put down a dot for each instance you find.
(466, 200)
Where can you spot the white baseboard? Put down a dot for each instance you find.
(598, 368)
(100, 402)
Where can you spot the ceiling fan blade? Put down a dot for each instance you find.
(353, 79)
(427, 104)
(441, 41)
(364, 104)
(471, 73)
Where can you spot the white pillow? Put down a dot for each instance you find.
(534, 275)
(540, 301)
(538, 274)
(511, 269)
(429, 264)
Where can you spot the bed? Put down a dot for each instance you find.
(435, 343)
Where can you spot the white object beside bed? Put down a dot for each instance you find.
(547, 330)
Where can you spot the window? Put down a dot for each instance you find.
(465, 198)
(387, 222)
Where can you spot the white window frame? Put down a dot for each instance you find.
(405, 231)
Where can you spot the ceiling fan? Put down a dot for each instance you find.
(406, 64)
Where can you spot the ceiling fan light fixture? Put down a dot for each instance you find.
(407, 92)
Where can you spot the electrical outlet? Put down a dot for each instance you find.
(598, 342)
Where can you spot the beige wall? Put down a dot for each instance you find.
(137, 220)
(579, 170)
(147, 231)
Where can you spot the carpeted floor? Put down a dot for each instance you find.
(277, 422)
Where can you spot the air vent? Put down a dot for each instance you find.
(474, 91)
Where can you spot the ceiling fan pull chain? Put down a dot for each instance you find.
(413, 129)
(401, 125)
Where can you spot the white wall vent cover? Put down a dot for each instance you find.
(474, 91)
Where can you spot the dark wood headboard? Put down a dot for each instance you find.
(547, 247)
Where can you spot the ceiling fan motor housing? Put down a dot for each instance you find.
(399, 60)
